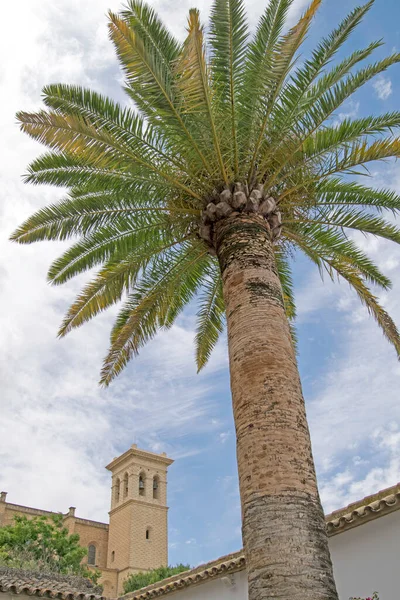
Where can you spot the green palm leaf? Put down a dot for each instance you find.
(321, 244)
(210, 317)
(258, 69)
(148, 306)
(228, 41)
(221, 124)
(337, 192)
(385, 322)
(294, 96)
(194, 84)
(284, 55)
(145, 230)
(126, 128)
(113, 280)
(151, 81)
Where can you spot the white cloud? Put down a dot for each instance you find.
(383, 87)
(224, 436)
(191, 541)
(349, 110)
(350, 486)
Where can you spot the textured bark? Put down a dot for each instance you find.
(284, 536)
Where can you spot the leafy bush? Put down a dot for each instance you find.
(43, 544)
(373, 597)
(140, 580)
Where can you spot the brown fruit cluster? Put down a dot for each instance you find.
(240, 200)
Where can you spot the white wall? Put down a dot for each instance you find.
(367, 559)
(232, 587)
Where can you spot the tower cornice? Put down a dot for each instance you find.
(134, 452)
(137, 502)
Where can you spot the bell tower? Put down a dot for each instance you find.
(138, 530)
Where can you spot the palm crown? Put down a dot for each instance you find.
(231, 126)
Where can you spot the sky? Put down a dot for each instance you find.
(58, 428)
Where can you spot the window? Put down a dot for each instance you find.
(112, 556)
(142, 484)
(126, 485)
(156, 487)
(117, 489)
(148, 533)
(91, 554)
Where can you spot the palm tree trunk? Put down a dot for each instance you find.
(284, 536)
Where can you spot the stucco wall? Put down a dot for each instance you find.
(230, 587)
(366, 559)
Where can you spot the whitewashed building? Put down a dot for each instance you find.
(364, 540)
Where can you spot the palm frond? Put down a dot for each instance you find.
(324, 101)
(383, 319)
(194, 84)
(228, 41)
(144, 230)
(210, 317)
(351, 159)
(352, 271)
(322, 244)
(330, 98)
(338, 192)
(151, 83)
(125, 127)
(139, 319)
(351, 218)
(284, 57)
(285, 277)
(81, 214)
(293, 98)
(359, 154)
(258, 69)
(334, 139)
(114, 279)
(74, 136)
(144, 21)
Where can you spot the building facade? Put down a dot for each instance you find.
(363, 541)
(136, 537)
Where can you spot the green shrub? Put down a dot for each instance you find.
(43, 544)
(140, 580)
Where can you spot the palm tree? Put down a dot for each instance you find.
(232, 159)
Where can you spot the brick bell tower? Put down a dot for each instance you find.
(138, 530)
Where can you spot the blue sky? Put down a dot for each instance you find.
(58, 428)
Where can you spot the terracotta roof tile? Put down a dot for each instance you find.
(226, 564)
(46, 585)
(370, 507)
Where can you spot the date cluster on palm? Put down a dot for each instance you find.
(239, 199)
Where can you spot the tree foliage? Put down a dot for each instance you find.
(140, 580)
(215, 109)
(43, 544)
